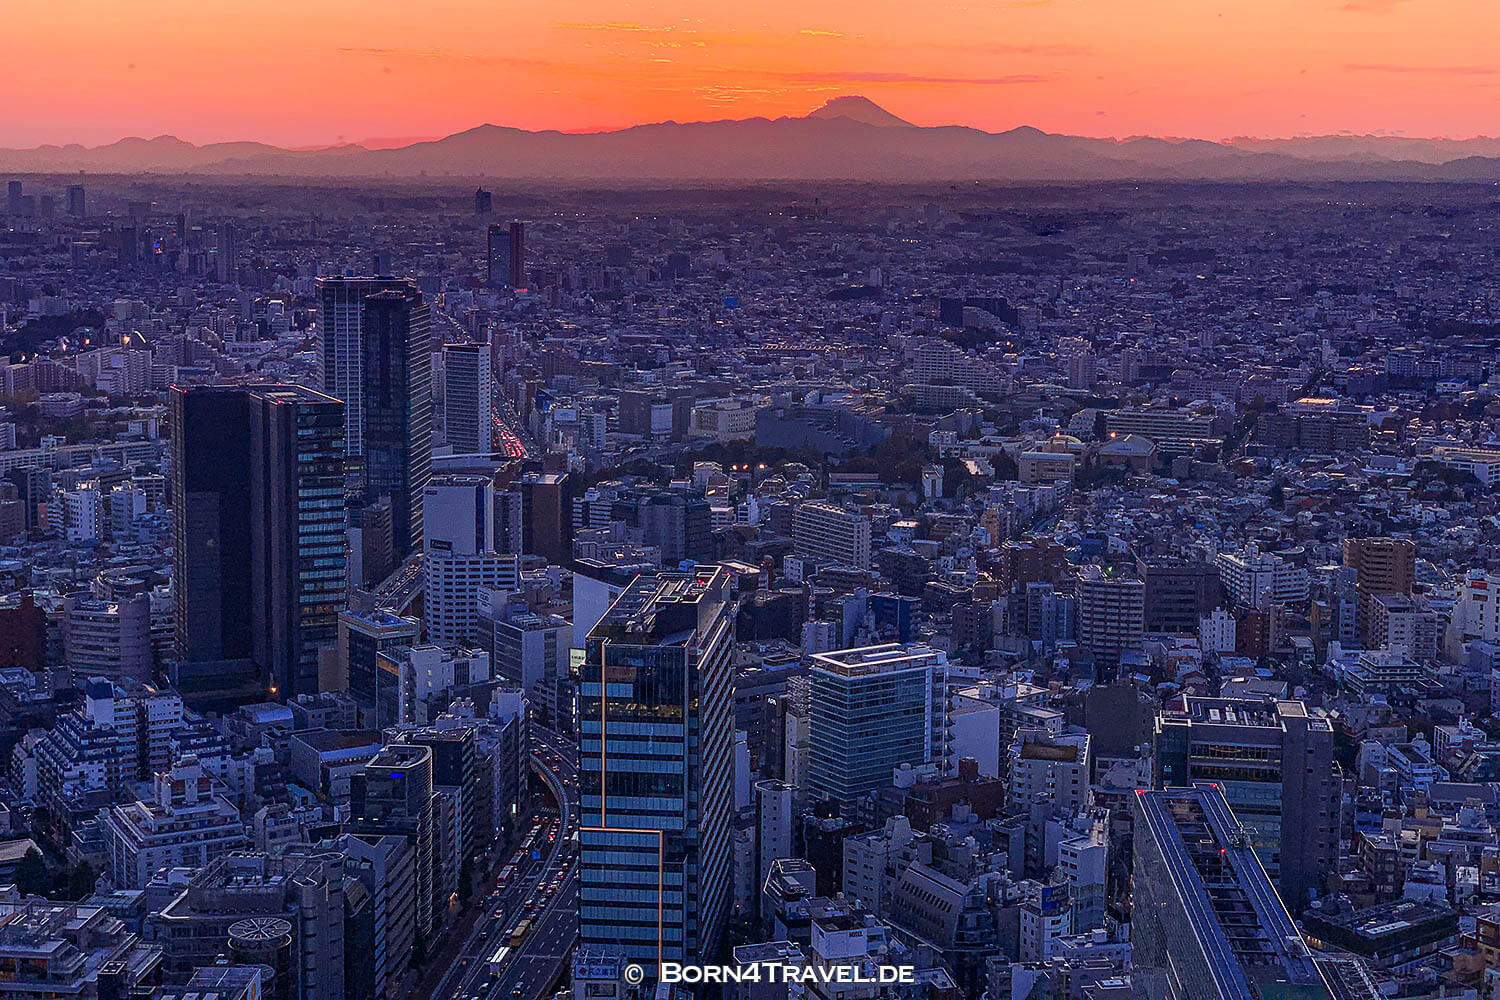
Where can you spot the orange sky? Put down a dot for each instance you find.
(300, 72)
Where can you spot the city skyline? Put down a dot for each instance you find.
(651, 500)
(1282, 68)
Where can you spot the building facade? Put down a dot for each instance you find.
(656, 719)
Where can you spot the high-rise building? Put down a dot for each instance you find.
(459, 557)
(77, 206)
(678, 522)
(13, 198)
(506, 260)
(1050, 768)
(1206, 922)
(211, 580)
(1083, 369)
(776, 813)
(656, 770)
(1179, 592)
(397, 366)
(33, 486)
(258, 525)
(1395, 620)
(1381, 566)
(129, 243)
(1477, 613)
(1275, 764)
(372, 541)
(341, 309)
(547, 516)
(227, 255)
(833, 533)
(457, 791)
(517, 254)
(528, 650)
(297, 524)
(362, 638)
(385, 864)
(391, 795)
(1173, 431)
(497, 257)
(185, 823)
(468, 398)
(109, 639)
(1253, 579)
(422, 680)
(1111, 616)
(484, 202)
(874, 709)
(308, 886)
(1049, 779)
(454, 580)
(458, 515)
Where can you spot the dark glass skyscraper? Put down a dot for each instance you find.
(341, 307)
(506, 259)
(397, 373)
(227, 254)
(517, 254)
(210, 534)
(656, 770)
(297, 531)
(258, 532)
(497, 257)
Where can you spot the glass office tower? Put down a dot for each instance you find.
(655, 705)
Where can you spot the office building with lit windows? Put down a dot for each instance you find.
(1274, 763)
(258, 538)
(656, 719)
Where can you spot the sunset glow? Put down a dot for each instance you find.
(300, 73)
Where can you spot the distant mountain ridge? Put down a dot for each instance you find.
(848, 138)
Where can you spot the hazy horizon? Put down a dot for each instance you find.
(398, 142)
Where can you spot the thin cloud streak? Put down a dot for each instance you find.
(614, 26)
(445, 54)
(1424, 70)
(857, 76)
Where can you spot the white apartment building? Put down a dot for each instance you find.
(832, 533)
(1254, 578)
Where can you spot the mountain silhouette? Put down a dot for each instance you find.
(848, 138)
(858, 109)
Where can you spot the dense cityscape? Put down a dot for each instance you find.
(502, 592)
